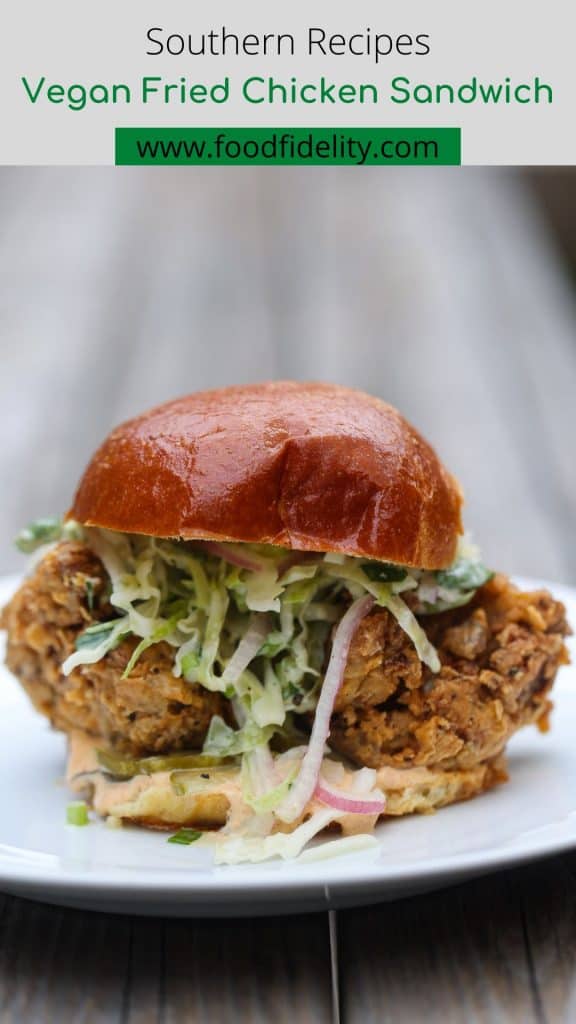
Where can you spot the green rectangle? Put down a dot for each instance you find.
(314, 146)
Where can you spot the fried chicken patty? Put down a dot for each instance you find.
(499, 654)
(150, 711)
(499, 657)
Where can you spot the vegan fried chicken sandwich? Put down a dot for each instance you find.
(260, 617)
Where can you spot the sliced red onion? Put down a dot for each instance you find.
(247, 649)
(348, 802)
(231, 555)
(305, 784)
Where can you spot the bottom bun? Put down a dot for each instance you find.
(209, 798)
(423, 790)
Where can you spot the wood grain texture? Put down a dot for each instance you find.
(499, 950)
(82, 968)
(436, 289)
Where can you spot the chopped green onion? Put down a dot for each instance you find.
(185, 836)
(77, 813)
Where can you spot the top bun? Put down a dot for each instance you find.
(308, 466)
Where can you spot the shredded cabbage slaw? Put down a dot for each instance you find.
(256, 623)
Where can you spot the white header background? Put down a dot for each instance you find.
(70, 41)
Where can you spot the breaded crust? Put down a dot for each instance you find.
(499, 654)
(150, 711)
(499, 657)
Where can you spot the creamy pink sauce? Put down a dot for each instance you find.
(119, 799)
(398, 778)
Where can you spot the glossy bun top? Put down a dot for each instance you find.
(314, 467)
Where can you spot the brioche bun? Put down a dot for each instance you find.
(313, 467)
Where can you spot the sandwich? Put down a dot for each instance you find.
(261, 619)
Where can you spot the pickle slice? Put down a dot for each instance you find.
(123, 767)
(194, 780)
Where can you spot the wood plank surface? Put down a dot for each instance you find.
(498, 950)
(88, 968)
(439, 290)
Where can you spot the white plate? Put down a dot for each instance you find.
(131, 870)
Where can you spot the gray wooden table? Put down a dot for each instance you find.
(439, 290)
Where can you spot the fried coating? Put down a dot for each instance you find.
(499, 656)
(150, 711)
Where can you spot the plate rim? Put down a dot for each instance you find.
(165, 883)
